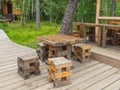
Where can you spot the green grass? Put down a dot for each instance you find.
(26, 35)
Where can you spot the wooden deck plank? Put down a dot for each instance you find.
(94, 79)
(24, 87)
(114, 86)
(88, 70)
(8, 69)
(13, 52)
(45, 87)
(11, 81)
(8, 66)
(15, 85)
(87, 76)
(105, 82)
(13, 71)
(12, 55)
(7, 78)
(8, 63)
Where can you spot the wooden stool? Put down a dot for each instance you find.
(82, 52)
(27, 65)
(59, 71)
(42, 51)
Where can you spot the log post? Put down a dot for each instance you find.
(97, 20)
(104, 36)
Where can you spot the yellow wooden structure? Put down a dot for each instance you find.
(59, 71)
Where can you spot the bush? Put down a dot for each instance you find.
(3, 26)
(1, 16)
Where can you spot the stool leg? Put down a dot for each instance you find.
(26, 77)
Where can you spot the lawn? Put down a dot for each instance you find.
(26, 35)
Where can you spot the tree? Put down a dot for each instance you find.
(113, 8)
(37, 14)
(66, 26)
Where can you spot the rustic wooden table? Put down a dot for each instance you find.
(59, 45)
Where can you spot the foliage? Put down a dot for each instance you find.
(53, 9)
(26, 35)
(106, 6)
(3, 26)
(86, 11)
(1, 16)
(118, 9)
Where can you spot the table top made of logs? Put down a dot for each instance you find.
(59, 40)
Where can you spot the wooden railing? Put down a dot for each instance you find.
(101, 34)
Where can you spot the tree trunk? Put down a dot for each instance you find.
(23, 13)
(50, 10)
(37, 14)
(113, 8)
(66, 27)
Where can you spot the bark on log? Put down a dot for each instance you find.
(37, 14)
(113, 8)
(66, 26)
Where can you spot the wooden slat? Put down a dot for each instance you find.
(109, 18)
(8, 66)
(24, 87)
(17, 85)
(8, 63)
(100, 25)
(87, 76)
(114, 86)
(12, 81)
(11, 55)
(13, 71)
(95, 79)
(45, 87)
(105, 82)
(9, 77)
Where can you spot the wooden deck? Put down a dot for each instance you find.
(90, 76)
(109, 55)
